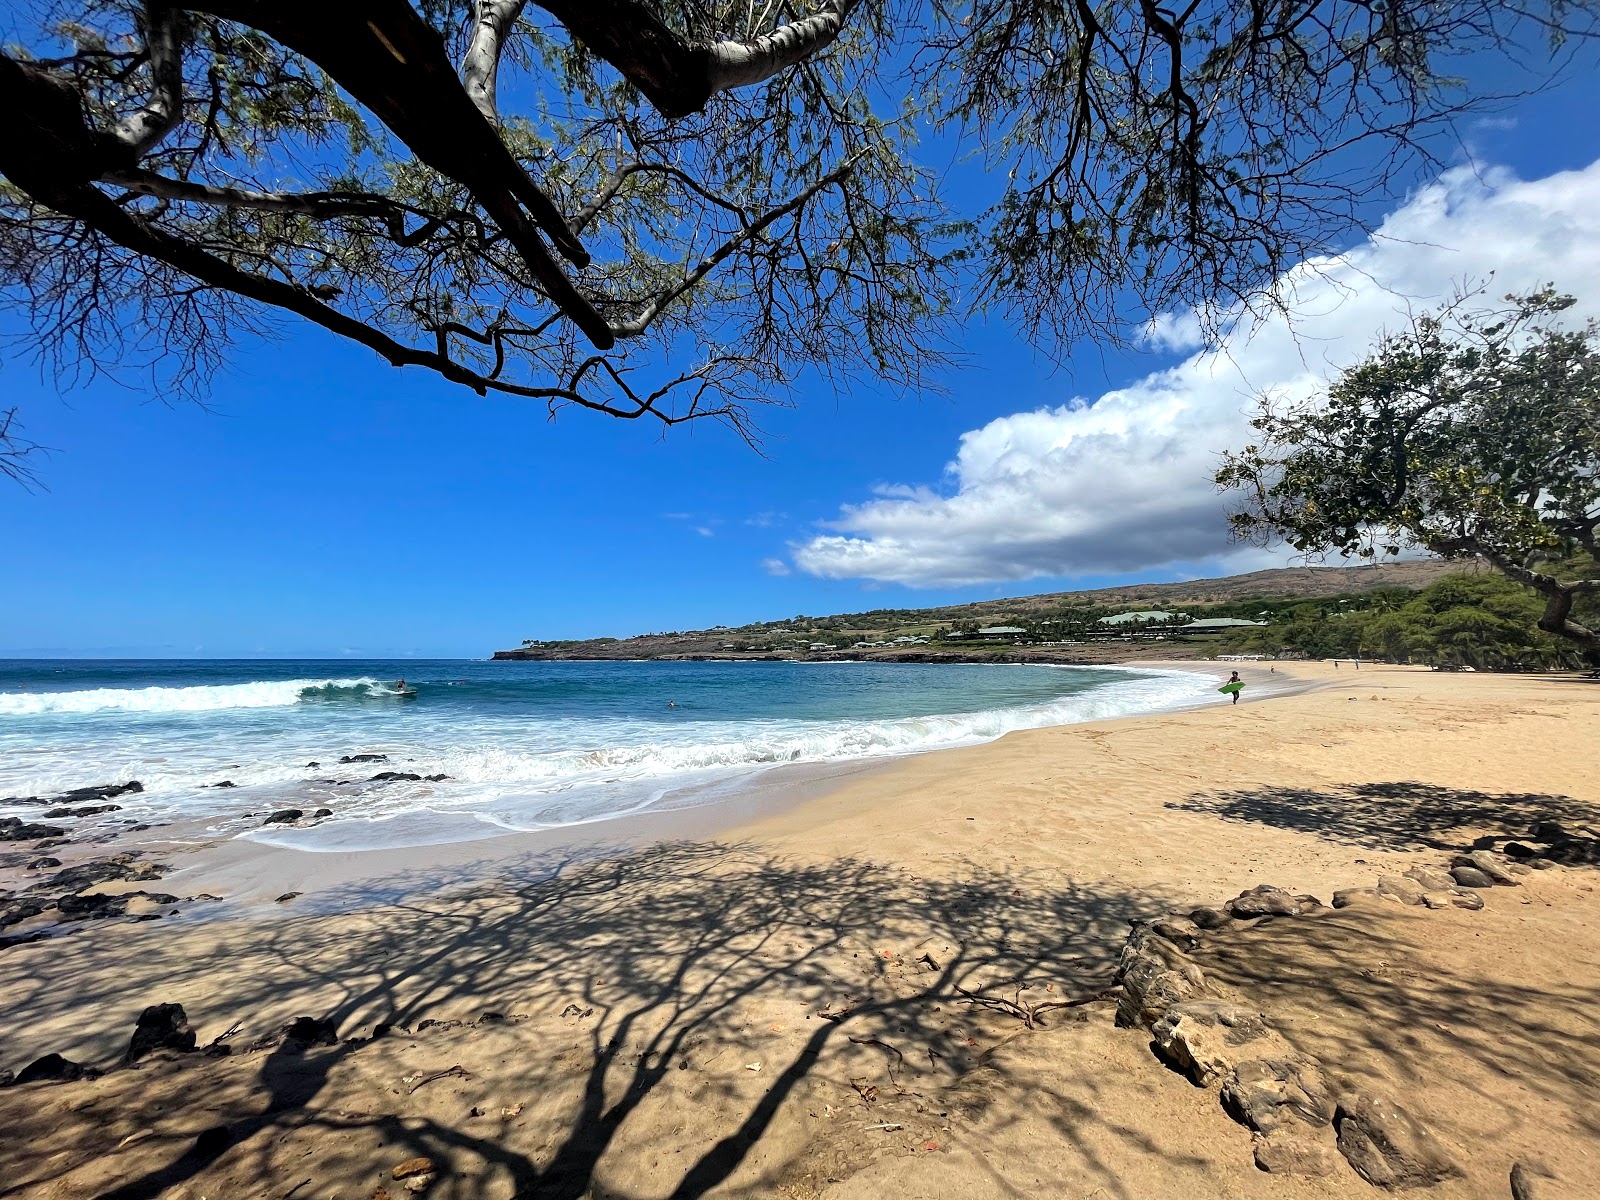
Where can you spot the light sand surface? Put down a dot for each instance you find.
(812, 1006)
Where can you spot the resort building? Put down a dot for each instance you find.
(1146, 617)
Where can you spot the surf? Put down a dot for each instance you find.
(195, 699)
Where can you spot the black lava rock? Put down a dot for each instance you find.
(395, 777)
(88, 810)
(355, 758)
(52, 1067)
(160, 1027)
(284, 816)
(15, 829)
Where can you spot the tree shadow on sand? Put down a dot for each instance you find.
(613, 983)
(1394, 816)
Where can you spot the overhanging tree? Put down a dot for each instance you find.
(544, 200)
(1473, 433)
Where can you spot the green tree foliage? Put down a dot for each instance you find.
(1484, 621)
(670, 209)
(1475, 433)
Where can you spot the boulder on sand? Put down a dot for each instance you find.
(160, 1027)
(1387, 1146)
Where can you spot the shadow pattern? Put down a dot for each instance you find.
(1396, 816)
(613, 984)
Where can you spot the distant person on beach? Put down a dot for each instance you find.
(1234, 678)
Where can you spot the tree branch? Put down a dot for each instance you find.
(144, 129)
(658, 304)
(492, 21)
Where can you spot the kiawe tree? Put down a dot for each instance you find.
(669, 209)
(1473, 433)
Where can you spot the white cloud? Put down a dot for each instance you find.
(1123, 483)
(776, 566)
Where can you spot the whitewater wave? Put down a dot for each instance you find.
(274, 694)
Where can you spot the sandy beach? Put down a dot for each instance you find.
(900, 984)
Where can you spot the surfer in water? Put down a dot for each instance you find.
(1234, 679)
(399, 685)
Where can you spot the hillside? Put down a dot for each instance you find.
(1055, 620)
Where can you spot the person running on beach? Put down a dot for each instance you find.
(1234, 678)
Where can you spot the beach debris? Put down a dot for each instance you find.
(1201, 1038)
(930, 1145)
(887, 1126)
(1029, 1013)
(15, 829)
(512, 1110)
(419, 1183)
(287, 896)
(932, 963)
(411, 1167)
(360, 758)
(160, 1027)
(867, 1091)
(574, 1010)
(1387, 1146)
(52, 1068)
(284, 816)
(417, 1081)
(755, 1066)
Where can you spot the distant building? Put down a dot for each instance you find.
(820, 646)
(1001, 631)
(1146, 617)
(908, 640)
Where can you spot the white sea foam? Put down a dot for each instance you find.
(185, 699)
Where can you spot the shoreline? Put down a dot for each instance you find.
(841, 990)
(249, 872)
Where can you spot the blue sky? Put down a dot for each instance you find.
(327, 504)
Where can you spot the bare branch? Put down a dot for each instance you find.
(492, 21)
(144, 129)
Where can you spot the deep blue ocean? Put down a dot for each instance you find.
(526, 745)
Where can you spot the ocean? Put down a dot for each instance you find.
(523, 745)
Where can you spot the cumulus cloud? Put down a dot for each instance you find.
(1122, 482)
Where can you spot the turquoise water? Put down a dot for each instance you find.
(526, 745)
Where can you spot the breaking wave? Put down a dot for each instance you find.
(211, 698)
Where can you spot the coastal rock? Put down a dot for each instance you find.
(96, 906)
(1471, 901)
(1308, 904)
(323, 812)
(360, 758)
(1295, 1152)
(1573, 852)
(1399, 888)
(395, 777)
(14, 911)
(1270, 1094)
(287, 896)
(1180, 931)
(1154, 975)
(1490, 866)
(88, 810)
(225, 783)
(1518, 850)
(437, 778)
(1387, 1146)
(1523, 1181)
(52, 1068)
(1345, 897)
(104, 791)
(44, 864)
(86, 874)
(1202, 1038)
(1432, 879)
(160, 1027)
(311, 1032)
(15, 829)
(1549, 831)
(23, 939)
(1209, 918)
(1470, 877)
(1263, 901)
(284, 816)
